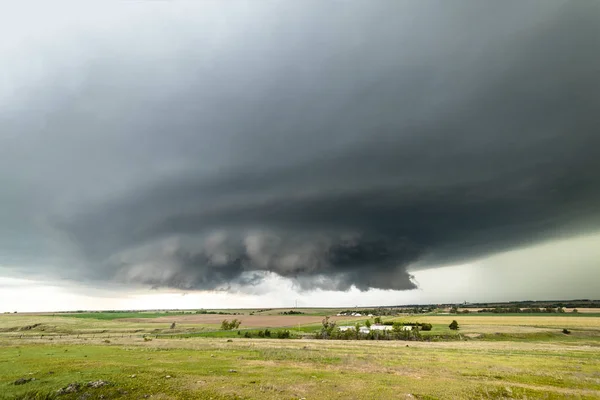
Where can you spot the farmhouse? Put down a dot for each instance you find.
(344, 328)
(381, 327)
(364, 329)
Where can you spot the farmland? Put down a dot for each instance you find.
(138, 356)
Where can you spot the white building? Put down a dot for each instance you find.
(381, 327)
(344, 328)
(364, 329)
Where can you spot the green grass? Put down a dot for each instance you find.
(271, 369)
(491, 357)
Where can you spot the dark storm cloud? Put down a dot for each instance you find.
(334, 146)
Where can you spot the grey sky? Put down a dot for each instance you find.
(338, 144)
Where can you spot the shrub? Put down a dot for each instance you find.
(247, 334)
(453, 325)
(328, 328)
(566, 331)
(227, 326)
(267, 333)
(426, 327)
(285, 334)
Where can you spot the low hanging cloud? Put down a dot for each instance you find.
(334, 149)
(223, 261)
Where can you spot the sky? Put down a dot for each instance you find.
(243, 154)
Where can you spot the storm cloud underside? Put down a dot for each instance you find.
(335, 145)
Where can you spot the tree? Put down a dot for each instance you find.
(368, 323)
(426, 326)
(377, 320)
(227, 326)
(327, 328)
(284, 334)
(397, 330)
(453, 325)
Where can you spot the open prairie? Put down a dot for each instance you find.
(254, 321)
(490, 356)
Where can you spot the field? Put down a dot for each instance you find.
(140, 356)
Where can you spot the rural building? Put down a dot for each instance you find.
(364, 329)
(344, 328)
(381, 327)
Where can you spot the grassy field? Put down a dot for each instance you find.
(491, 356)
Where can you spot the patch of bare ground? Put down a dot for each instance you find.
(553, 389)
(348, 364)
(351, 346)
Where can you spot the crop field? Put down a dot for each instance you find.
(56, 356)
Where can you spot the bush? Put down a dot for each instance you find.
(566, 331)
(247, 334)
(327, 330)
(227, 326)
(267, 333)
(453, 325)
(426, 327)
(285, 334)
